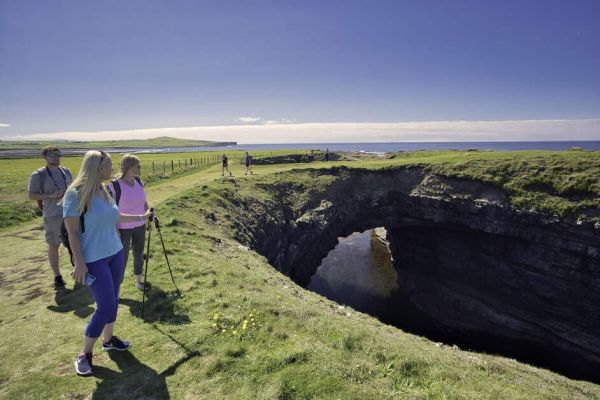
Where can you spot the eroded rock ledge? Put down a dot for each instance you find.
(492, 269)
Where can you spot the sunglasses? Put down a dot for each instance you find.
(103, 156)
(54, 154)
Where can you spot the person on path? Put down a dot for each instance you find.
(47, 185)
(129, 195)
(90, 216)
(248, 162)
(225, 166)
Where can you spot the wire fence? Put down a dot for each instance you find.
(15, 173)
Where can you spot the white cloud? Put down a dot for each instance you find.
(4, 125)
(348, 132)
(279, 121)
(249, 119)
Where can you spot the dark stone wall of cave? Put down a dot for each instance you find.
(464, 256)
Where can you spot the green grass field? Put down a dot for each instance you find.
(560, 183)
(16, 208)
(296, 344)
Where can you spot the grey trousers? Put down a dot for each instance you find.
(136, 237)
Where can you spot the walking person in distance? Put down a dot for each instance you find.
(225, 166)
(248, 163)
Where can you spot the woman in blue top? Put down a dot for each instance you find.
(97, 251)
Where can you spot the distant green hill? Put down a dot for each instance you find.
(163, 141)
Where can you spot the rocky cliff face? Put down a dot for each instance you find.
(464, 256)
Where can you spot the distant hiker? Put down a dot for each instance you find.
(326, 154)
(47, 185)
(91, 215)
(128, 193)
(248, 162)
(225, 166)
(311, 156)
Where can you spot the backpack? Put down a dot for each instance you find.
(117, 186)
(42, 177)
(64, 234)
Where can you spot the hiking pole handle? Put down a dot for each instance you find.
(154, 218)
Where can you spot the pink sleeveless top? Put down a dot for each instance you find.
(132, 201)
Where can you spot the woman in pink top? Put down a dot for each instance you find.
(128, 192)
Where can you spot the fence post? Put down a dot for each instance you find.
(186, 162)
(172, 168)
(164, 167)
(152, 166)
(179, 163)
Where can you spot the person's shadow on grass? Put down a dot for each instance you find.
(159, 306)
(135, 380)
(77, 300)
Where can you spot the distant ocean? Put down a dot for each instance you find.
(360, 147)
(402, 146)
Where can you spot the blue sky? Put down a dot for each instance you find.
(73, 69)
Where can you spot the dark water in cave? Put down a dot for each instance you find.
(359, 272)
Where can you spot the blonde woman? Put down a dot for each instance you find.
(128, 192)
(97, 250)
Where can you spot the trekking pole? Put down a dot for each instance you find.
(157, 224)
(146, 269)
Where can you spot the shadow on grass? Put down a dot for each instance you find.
(77, 300)
(135, 380)
(158, 307)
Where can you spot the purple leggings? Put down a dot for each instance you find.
(105, 289)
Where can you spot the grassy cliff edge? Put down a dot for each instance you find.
(241, 330)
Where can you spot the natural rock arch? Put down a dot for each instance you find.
(497, 271)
